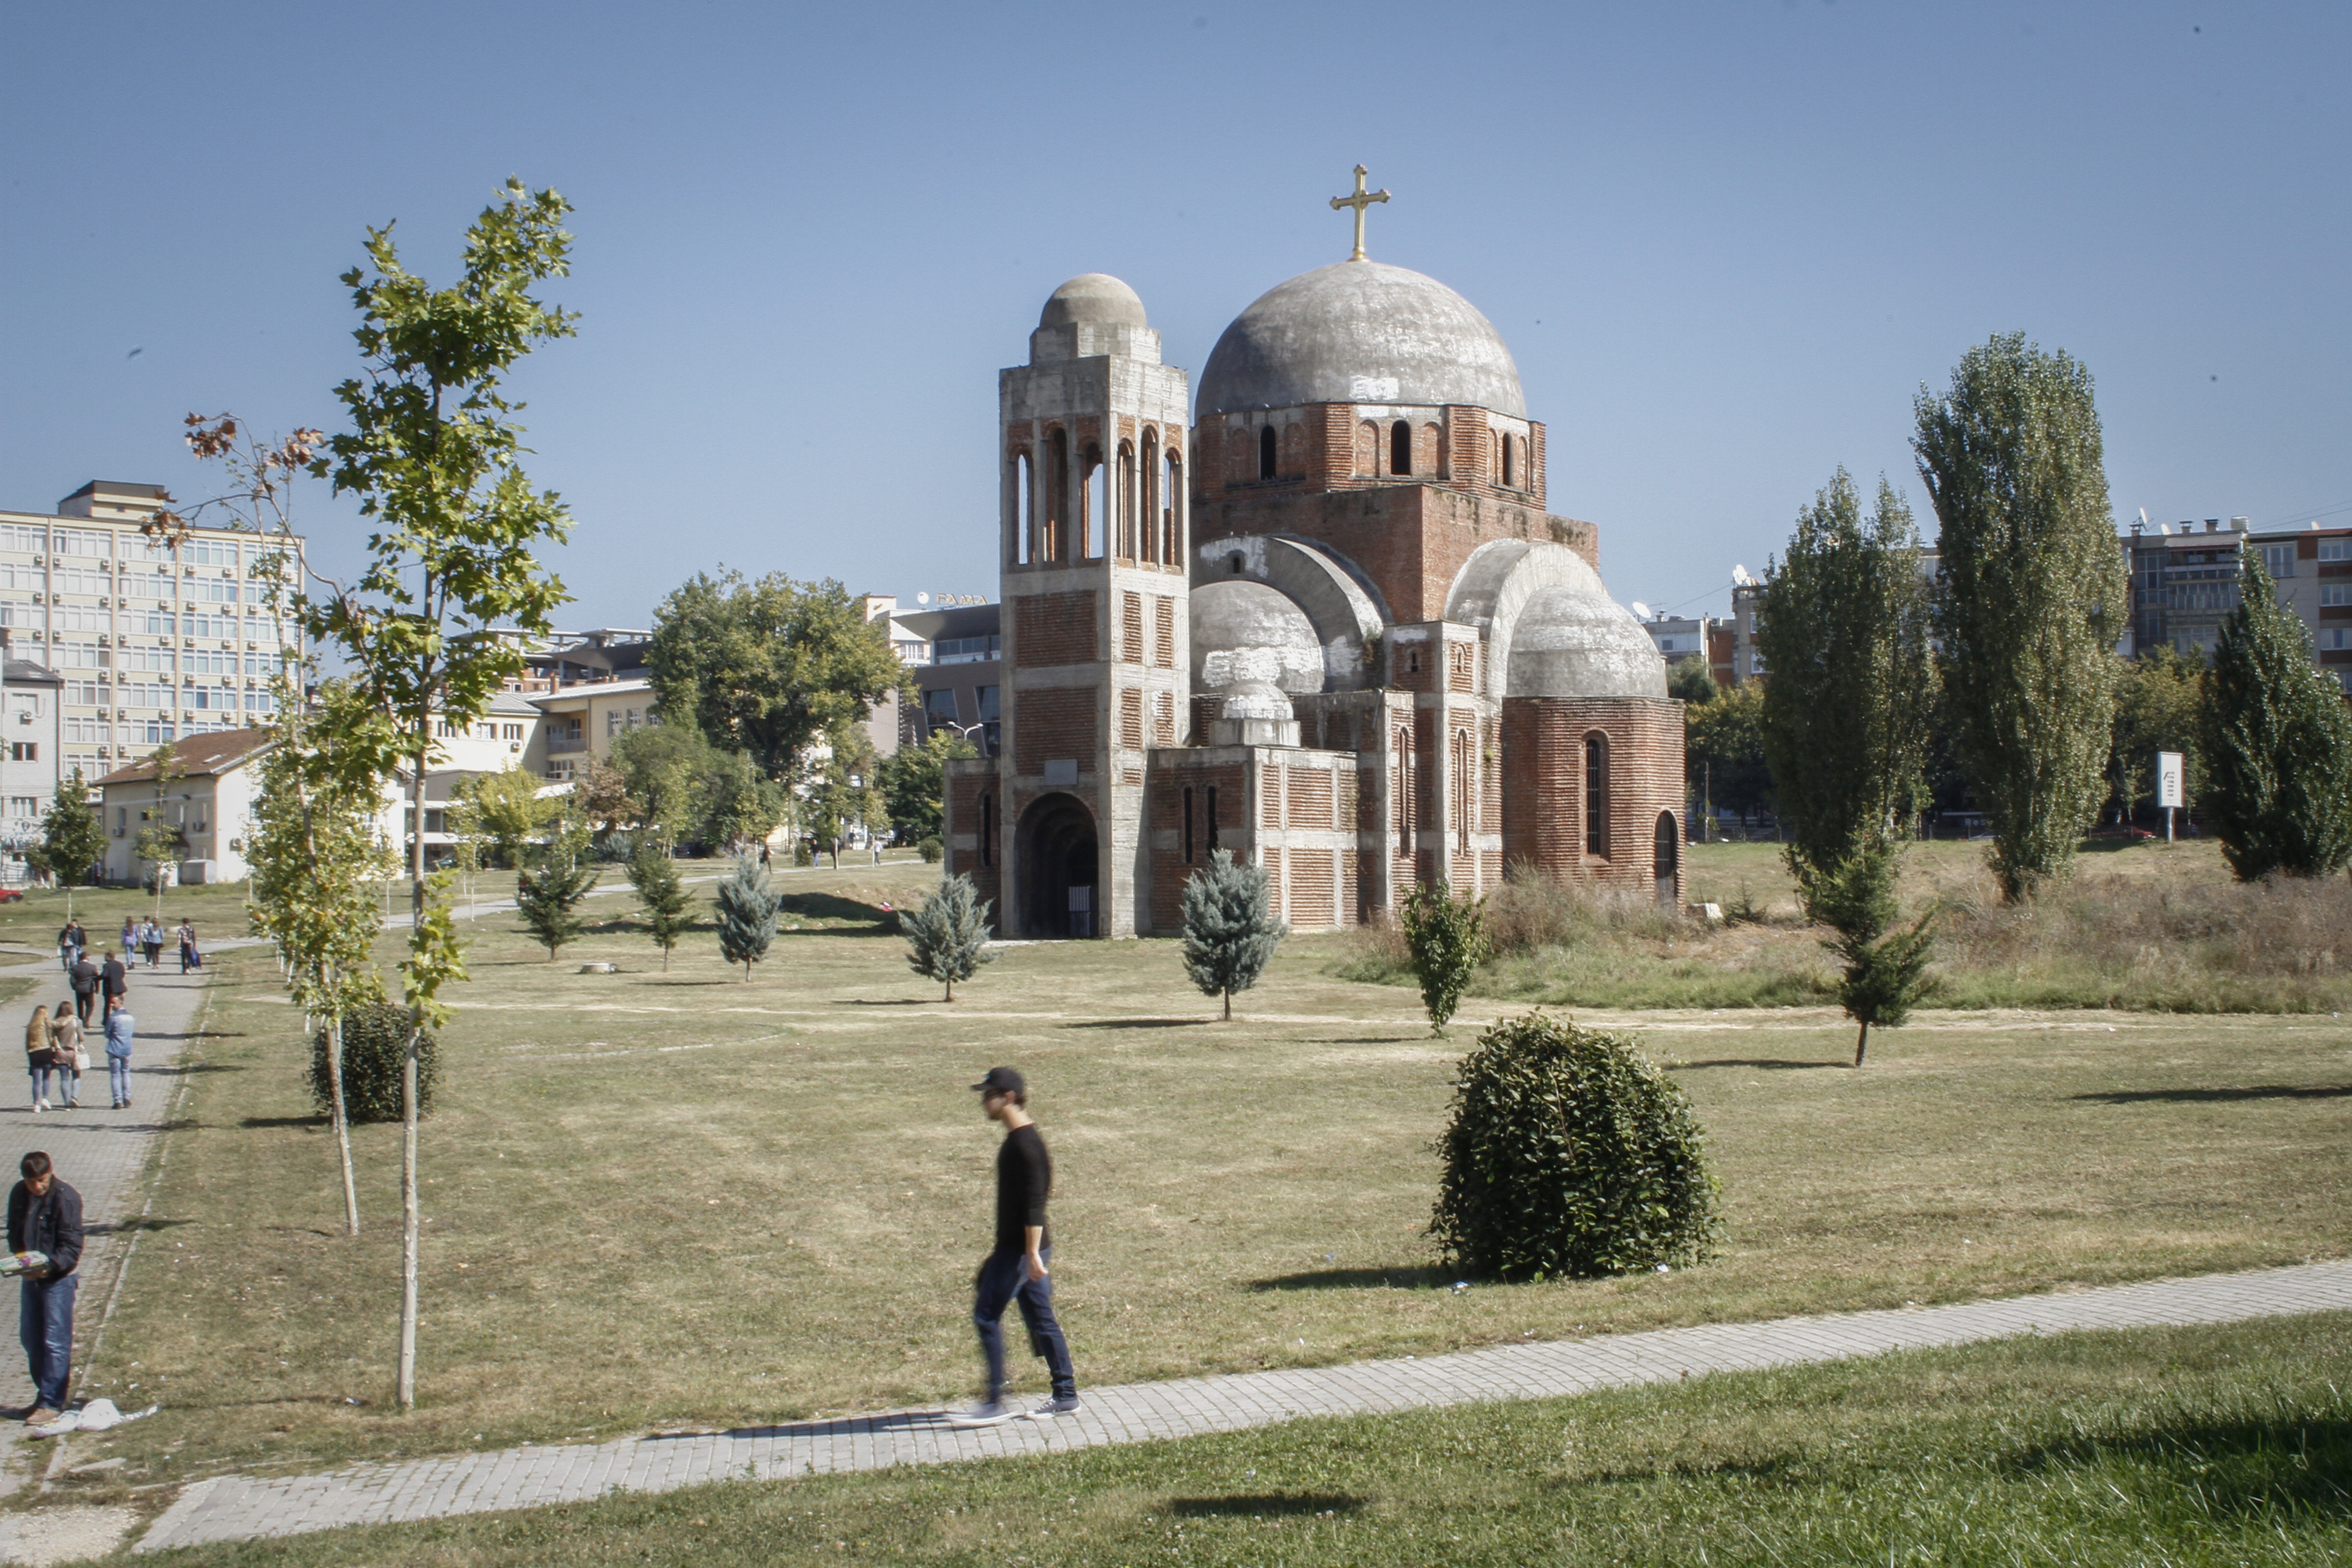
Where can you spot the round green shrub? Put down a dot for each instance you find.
(931, 850)
(375, 1039)
(1571, 1154)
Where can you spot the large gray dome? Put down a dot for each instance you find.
(1342, 333)
(1573, 641)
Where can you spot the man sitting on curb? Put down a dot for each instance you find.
(45, 1216)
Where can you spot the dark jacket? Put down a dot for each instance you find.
(112, 977)
(85, 977)
(50, 1224)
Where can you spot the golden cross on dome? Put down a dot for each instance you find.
(1359, 201)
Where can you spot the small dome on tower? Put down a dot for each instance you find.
(1096, 299)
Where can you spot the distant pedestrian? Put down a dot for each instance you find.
(40, 1057)
(120, 1030)
(113, 983)
(65, 1044)
(45, 1216)
(151, 938)
(69, 946)
(1014, 1270)
(129, 935)
(86, 984)
(189, 957)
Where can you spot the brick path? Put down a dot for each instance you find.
(236, 1508)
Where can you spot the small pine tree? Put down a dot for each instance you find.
(747, 900)
(549, 898)
(947, 939)
(2277, 742)
(668, 906)
(1229, 934)
(1885, 971)
(1448, 939)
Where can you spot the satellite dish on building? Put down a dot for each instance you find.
(1641, 610)
(1740, 579)
(922, 598)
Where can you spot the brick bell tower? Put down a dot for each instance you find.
(1095, 622)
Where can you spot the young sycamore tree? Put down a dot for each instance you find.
(549, 898)
(316, 857)
(1229, 934)
(159, 843)
(748, 901)
(1448, 939)
(2033, 596)
(1843, 628)
(668, 906)
(72, 838)
(947, 939)
(425, 629)
(2277, 742)
(914, 785)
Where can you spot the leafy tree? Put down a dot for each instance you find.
(317, 856)
(947, 939)
(1723, 744)
(1688, 679)
(72, 837)
(1845, 630)
(768, 668)
(160, 842)
(1885, 969)
(2277, 742)
(748, 901)
(549, 898)
(470, 838)
(662, 768)
(914, 785)
(668, 906)
(2033, 596)
(744, 806)
(1569, 1155)
(2160, 707)
(511, 812)
(845, 792)
(1448, 939)
(602, 796)
(434, 456)
(1230, 933)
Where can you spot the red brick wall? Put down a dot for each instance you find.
(1543, 777)
(1164, 811)
(971, 799)
(1054, 628)
(1054, 723)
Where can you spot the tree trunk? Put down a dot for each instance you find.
(1862, 1042)
(342, 1120)
(665, 961)
(1229, 1006)
(408, 1216)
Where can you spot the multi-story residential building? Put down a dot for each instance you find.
(2184, 584)
(581, 721)
(2313, 568)
(151, 641)
(1679, 637)
(28, 756)
(961, 675)
(208, 808)
(1747, 602)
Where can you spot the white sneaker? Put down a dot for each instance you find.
(39, 1106)
(1052, 1407)
(987, 1413)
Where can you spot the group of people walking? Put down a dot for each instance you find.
(140, 939)
(57, 1043)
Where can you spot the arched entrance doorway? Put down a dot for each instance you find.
(1056, 859)
(1666, 857)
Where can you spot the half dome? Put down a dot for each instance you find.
(1245, 633)
(1360, 331)
(1096, 299)
(1574, 641)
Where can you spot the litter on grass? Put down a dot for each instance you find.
(95, 1415)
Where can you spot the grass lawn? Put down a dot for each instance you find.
(2177, 1447)
(658, 1199)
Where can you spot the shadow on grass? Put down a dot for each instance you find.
(205, 1066)
(125, 1227)
(1422, 1278)
(2283, 1469)
(1763, 1064)
(887, 1002)
(2197, 1096)
(1142, 1024)
(1258, 1505)
(859, 919)
(260, 1121)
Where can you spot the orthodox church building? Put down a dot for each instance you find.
(1318, 615)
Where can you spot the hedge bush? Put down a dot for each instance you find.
(1571, 1154)
(375, 1038)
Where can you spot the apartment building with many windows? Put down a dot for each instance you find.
(151, 641)
(2313, 568)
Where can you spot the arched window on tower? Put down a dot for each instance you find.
(1171, 517)
(1596, 795)
(1095, 505)
(1023, 521)
(1125, 501)
(1148, 514)
(1266, 451)
(1508, 442)
(1400, 448)
(1052, 539)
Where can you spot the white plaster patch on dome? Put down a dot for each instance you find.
(1245, 631)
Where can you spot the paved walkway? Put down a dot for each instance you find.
(238, 1508)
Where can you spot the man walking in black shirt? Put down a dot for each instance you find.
(45, 1216)
(1015, 1269)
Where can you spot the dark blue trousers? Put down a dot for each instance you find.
(46, 1328)
(1004, 1280)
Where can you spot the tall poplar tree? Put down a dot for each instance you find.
(2277, 742)
(2033, 596)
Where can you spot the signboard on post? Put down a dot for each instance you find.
(2171, 791)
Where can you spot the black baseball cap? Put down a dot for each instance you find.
(1001, 1080)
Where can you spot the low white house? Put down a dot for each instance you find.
(209, 807)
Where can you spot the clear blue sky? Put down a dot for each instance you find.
(1726, 242)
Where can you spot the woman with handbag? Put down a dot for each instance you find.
(40, 1055)
(66, 1035)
